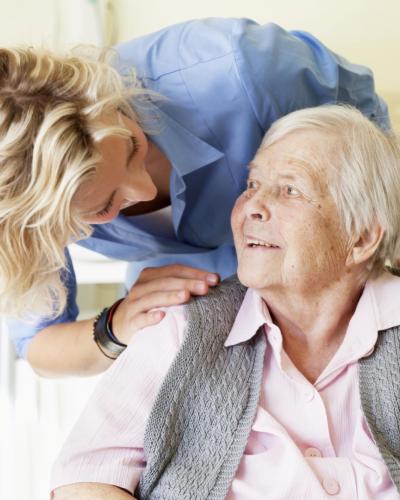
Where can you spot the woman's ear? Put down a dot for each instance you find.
(366, 245)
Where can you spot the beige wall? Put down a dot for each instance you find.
(364, 31)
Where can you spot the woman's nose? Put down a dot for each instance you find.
(140, 187)
(257, 209)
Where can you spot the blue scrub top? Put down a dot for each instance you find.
(225, 82)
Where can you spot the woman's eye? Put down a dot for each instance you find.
(135, 144)
(251, 184)
(291, 191)
(134, 150)
(105, 211)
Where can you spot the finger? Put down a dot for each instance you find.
(155, 300)
(195, 287)
(150, 318)
(178, 271)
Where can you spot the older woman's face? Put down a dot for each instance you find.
(286, 226)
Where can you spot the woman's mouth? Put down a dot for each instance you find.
(252, 242)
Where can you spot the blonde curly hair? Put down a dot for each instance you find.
(52, 112)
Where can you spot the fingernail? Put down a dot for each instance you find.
(181, 295)
(212, 279)
(200, 286)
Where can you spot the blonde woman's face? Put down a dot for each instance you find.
(121, 179)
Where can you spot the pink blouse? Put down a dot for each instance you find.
(308, 441)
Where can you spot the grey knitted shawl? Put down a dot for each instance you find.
(199, 425)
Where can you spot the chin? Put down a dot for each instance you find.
(251, 279)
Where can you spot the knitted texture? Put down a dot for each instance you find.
(379, 379)
(199, 425)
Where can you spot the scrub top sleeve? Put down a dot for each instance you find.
(22, 332)
(284, 71)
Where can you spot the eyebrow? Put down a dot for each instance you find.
(251, 166)
(289, 176)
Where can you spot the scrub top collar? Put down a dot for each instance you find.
(186, 152)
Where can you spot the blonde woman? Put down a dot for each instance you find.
(86, 158)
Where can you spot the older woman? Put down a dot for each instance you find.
(83, 155)
(286, 390)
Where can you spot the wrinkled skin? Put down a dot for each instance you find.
(287, 204)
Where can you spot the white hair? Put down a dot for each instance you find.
(364, 172)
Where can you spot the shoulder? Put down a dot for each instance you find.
(182, 45)
(152, 350)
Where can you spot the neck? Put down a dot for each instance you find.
(313, 325)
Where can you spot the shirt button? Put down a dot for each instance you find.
(312, 452)
(331, 486)
(309, 395)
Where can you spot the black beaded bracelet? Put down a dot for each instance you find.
(103, 335)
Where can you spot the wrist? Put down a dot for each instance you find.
(103, 334)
